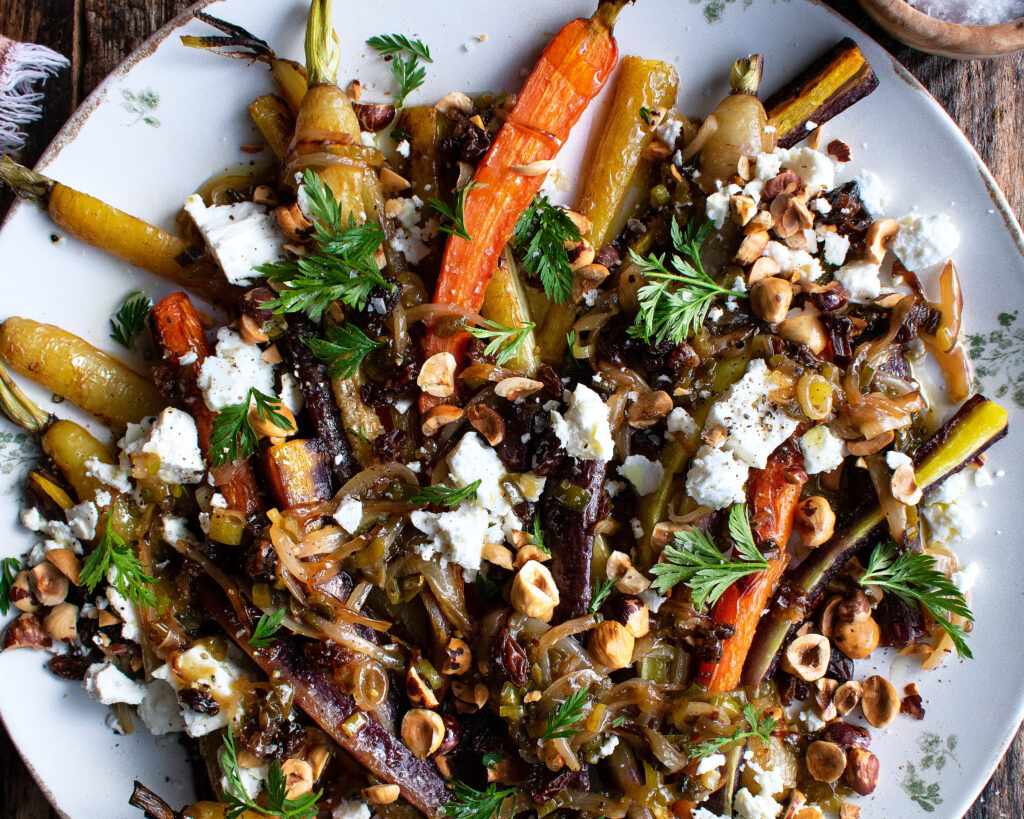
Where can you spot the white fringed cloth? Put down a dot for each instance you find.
(22, 65)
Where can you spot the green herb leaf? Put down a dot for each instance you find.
(488, 589)
(695, 560)
(492, 760)
(358, 433)
(444, 495)
(618, 722)
(405, 55)
(128, 576)
(503, 343)
(469, 803)
(8, 571)
(456, 215)
(602, 589)
(674, 304)
(130, 320)
(537, 536)
(568, 712)
(233, 437)
(263, 634)
(342, 269)
(344, 349)
(758, 727)
(645, 114)
(275, 789)
(538, 238)
(914, 577)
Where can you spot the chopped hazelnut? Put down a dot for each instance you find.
(612, 644)
(454, 101)
(497, 554)
(648, 409)
(381, 794)
(419, 690)
(807, 657)
(458, 659)
(62, 622)
(49, 586)
(861, 770)
(815, 521)
(264, 427)
(880, 701)
(25, 631)
(751, 247)
(904, 485)
(826, 761)
(20, 594)
(422, 732)
(805, 330)
(298, 776)
(847, 696)
(516, 387)
(770, 299)
(392, 182)
(437, 375)
(627, 579)
(743, 208)
(487, 422)
(534, 592)
(436, 418)
(634, 615)
(878, 237)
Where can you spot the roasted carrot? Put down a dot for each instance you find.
(772, 500)
(571, 71)
(177, 332)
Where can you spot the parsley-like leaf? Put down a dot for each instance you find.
(537, 536)
(344, 349)
(469, 803)
(645, 114)
(444, 495)
(492, 761)
(539, 238)
(275, 788)
(695, 560)
(758, 727)
(914, 577)
(618, 722)
(405, 55)
(568, 712)
(674, 304)
(503, 343)
(128, 576)
(263, 634)
(233, 437)
(342, 269)
(487, 588)
(456, 215)
(8, 571)
(130, 319)
(602, 589)
(358, 433)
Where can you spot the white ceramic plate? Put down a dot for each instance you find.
(170, 117)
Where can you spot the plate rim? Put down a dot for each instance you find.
(68, 132)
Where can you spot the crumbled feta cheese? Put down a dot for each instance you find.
(251, 779)
(108, 474)
(59, 533)
(174, 439)
(368, 139)
(811, 720)
(189, 358)
(159, 709)
(748, 806)
(637, 527)
(710, 763)
(197, 668)
(894, 460)
(605, 749)
(836, 248)
(679, 420)
(790, 260)
(823, 450)
(947, 511)
(669, 128)
(755, 426)
(174, 528)
(457, 536)
(82, 519)
(767, 165)
(403, 148)
(349, 515)
(613, 488)
(645, 475)
(102, 498)
(291, 393)
(717, 204)
(473, 460)
(821, 204)
(715, 313)
(873, 194)
(410, 238)
(107, 684)
(860, 279)
(128, 613)
(715, 478)
(351, 809)
(982, 477)
(770, 781)
(240, 236)
(704, 813)
(924, 241)
(966, 577)
(225, 378)
(585, 431)
(816, 170)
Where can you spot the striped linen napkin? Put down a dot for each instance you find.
(21, 66)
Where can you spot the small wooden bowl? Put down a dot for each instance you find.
(925, 33)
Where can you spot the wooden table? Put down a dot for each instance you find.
(984, 98)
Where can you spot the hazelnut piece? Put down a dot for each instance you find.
(67, 562)
(62, 622)
(419, 689)
(422, 732)
(770, 299)
(880, 701)
(807, 657)
(807, 331)
(457, 657)
(848, 810)
(264, 427)
(815, 521)
(298, 777)
(904, 485)
(436, 418)
(861, 770)
(539, 167)
(847, 696)
(826, 761)
(857, 638)
(634, 615)
(25, 631)
(648, 409)
(48, 584)
(878, 237)
(824, 690)
(437, 376)
(381, 794)
(454, 101)
(743, 208)
(487, 422)
(763, 268)
(516, 387)
(751, 247)
(20, 594)
(612, 644)
(627, 579)
(534, 592)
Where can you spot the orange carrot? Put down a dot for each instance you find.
(569, 74)
(178, 332)
(772, 501)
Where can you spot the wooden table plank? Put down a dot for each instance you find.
(983, 98)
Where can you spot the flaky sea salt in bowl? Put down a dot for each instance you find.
(963, 29)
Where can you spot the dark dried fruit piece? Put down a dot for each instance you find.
(511, 657)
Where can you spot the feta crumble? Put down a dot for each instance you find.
(240, 236)
(108, 685)
(225, 378)
(174, 439)
(924, 241)
(584, 430)
(836, 248)
(823, 450)
(349, 515)
(645, 475)
(715, 478)
(873, 194)
(860, 279)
